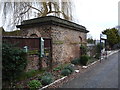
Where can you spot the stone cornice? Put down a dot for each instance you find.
(52, 20)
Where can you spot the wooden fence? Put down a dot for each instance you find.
(33, 43)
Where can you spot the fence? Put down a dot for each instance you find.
(34, 48)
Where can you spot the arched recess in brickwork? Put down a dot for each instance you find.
(34, 33)
(80, 39)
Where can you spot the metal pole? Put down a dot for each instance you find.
(40, 59)
(106, 47)
(100, 48)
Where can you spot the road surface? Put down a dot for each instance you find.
(102, 75)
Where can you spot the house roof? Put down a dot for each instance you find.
(52, 20)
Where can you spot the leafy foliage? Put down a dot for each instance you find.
(34, 84)
(83, 50)
(46, 79)
(112, 36)
(57, 68)
(84, 59)
(98, 48)
(98, 51)
(29, 74)
(97, 55)
(65, 72)
(13, 60)
(70, 67)
(90, 40)
(76, 61)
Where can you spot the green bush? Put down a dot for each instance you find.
(46, 79)
(34, 84)
(65, 72)
(69, 67)
(14, 61)
(47, 74)
(83, 50)
(76, 61)
(97, 56)
(58, 68)
(84, 59)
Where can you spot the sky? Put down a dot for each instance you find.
(97, 15)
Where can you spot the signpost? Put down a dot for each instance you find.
(41, 43)
(42, 47)
(102, 37)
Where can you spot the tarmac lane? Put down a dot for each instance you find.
(102, 75)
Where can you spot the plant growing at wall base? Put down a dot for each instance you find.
(46, 79)
(69, 67)
(83, 50)
(97, 55)
(84, 59)
(65, 72)
(58, 68)
(34, 84)
(76, 61)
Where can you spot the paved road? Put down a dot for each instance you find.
(102, 75)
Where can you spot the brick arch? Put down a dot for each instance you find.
(34, 32)
(33, 35)
(80, 39)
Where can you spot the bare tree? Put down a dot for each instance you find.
(23, 10)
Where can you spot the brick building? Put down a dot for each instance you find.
(66, 36)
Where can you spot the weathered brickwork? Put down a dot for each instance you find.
(66, 36)
(66, 44)
(41, 31)
(32, 63)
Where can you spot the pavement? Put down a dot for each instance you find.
(101, 75)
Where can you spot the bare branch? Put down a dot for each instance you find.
(34, 8)
(25, 11)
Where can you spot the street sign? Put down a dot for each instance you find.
(103, 36)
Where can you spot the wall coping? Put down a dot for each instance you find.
(52, 20)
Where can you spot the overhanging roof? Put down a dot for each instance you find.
(52, 20)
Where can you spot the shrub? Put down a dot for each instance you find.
(46, 79)
(69, 67)
(47, 74)
(34, 84)
(84, 59)
(65, 72)
(58, 68)
(76, 61)
(97, 56)
(83, 50)
(14, 61)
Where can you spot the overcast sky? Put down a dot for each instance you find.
(97, 15)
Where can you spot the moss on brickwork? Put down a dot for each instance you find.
(58, 42)
(13, 33)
